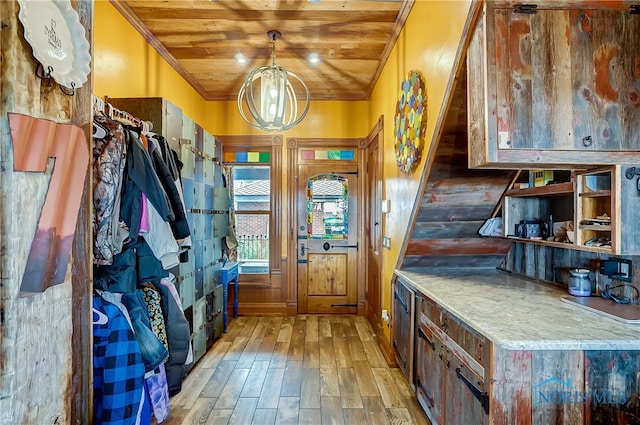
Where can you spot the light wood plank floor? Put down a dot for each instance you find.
(295, 370)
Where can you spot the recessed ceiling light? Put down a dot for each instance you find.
(314, 1)
(240, 58)
(313, 58)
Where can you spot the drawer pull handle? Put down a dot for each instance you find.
(480, 395)
(424, 391)
(424, 336)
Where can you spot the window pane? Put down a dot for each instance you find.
(252, 232)
(251, 188)
(327, 207)
(252, 193)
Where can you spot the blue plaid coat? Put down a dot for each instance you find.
(118, 371)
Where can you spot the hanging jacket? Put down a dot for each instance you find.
(136, 263)
(141, 177)
(153, 351)
(121, 275)
(109, 155)
(160, 239)
(118, 371)
(179, 225)
(158, 393)
(178, 338)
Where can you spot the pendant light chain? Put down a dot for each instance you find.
(273, 50)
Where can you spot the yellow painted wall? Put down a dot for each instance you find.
(428, 44)
(125, 65)
(336, 119)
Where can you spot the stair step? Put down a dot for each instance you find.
(459, 246)
(429, 264)
(446, 229)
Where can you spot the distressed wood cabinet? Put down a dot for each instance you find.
(524, 375)
(452, 365)
(554, 84)
(403, 327)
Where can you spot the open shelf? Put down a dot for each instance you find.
(595, 227)
(565, 245)
(549, 190)
(598, 194)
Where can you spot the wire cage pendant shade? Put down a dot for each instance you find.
(267, 99)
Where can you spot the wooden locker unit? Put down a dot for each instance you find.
(206, 204)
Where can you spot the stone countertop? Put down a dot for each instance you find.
(522, 314)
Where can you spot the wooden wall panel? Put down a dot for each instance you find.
(552, 264)
(44, 338)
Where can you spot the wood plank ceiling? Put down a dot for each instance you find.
(202, 39)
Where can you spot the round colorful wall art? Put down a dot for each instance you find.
(410, 122)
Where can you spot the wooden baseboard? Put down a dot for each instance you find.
(292, 308)
(387, 350)
(263, 309)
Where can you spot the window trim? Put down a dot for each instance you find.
(274, 144)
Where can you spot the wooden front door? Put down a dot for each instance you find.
(327, 216)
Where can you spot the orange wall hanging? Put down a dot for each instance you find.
(34, 142)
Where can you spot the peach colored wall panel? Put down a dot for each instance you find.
(34, 142)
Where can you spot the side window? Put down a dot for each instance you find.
(251, 186)
(253, 166)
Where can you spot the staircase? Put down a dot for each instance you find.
(455, 202)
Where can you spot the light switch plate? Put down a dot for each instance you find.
(386, 208)
(386, 242)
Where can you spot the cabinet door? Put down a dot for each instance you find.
(553, 86)
(403, 300)
(467, 399)
(429, 373)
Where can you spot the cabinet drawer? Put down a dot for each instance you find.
(430, 310)
(469, 340)
(229, 274)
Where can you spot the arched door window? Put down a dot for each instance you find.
(327, 207)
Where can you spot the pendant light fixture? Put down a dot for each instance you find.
(268, 96)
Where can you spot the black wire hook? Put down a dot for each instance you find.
(66, 91)
(41, 73)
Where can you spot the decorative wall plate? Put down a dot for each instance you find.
(410, 122)
(54, 31)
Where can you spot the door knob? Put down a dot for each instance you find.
(326, 246)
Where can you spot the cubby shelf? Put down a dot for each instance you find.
(591, 196)
(549, 190)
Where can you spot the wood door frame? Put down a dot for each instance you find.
(375, 138)
(293, 146)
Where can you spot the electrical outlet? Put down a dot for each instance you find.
(385, 317)
(617, 268)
